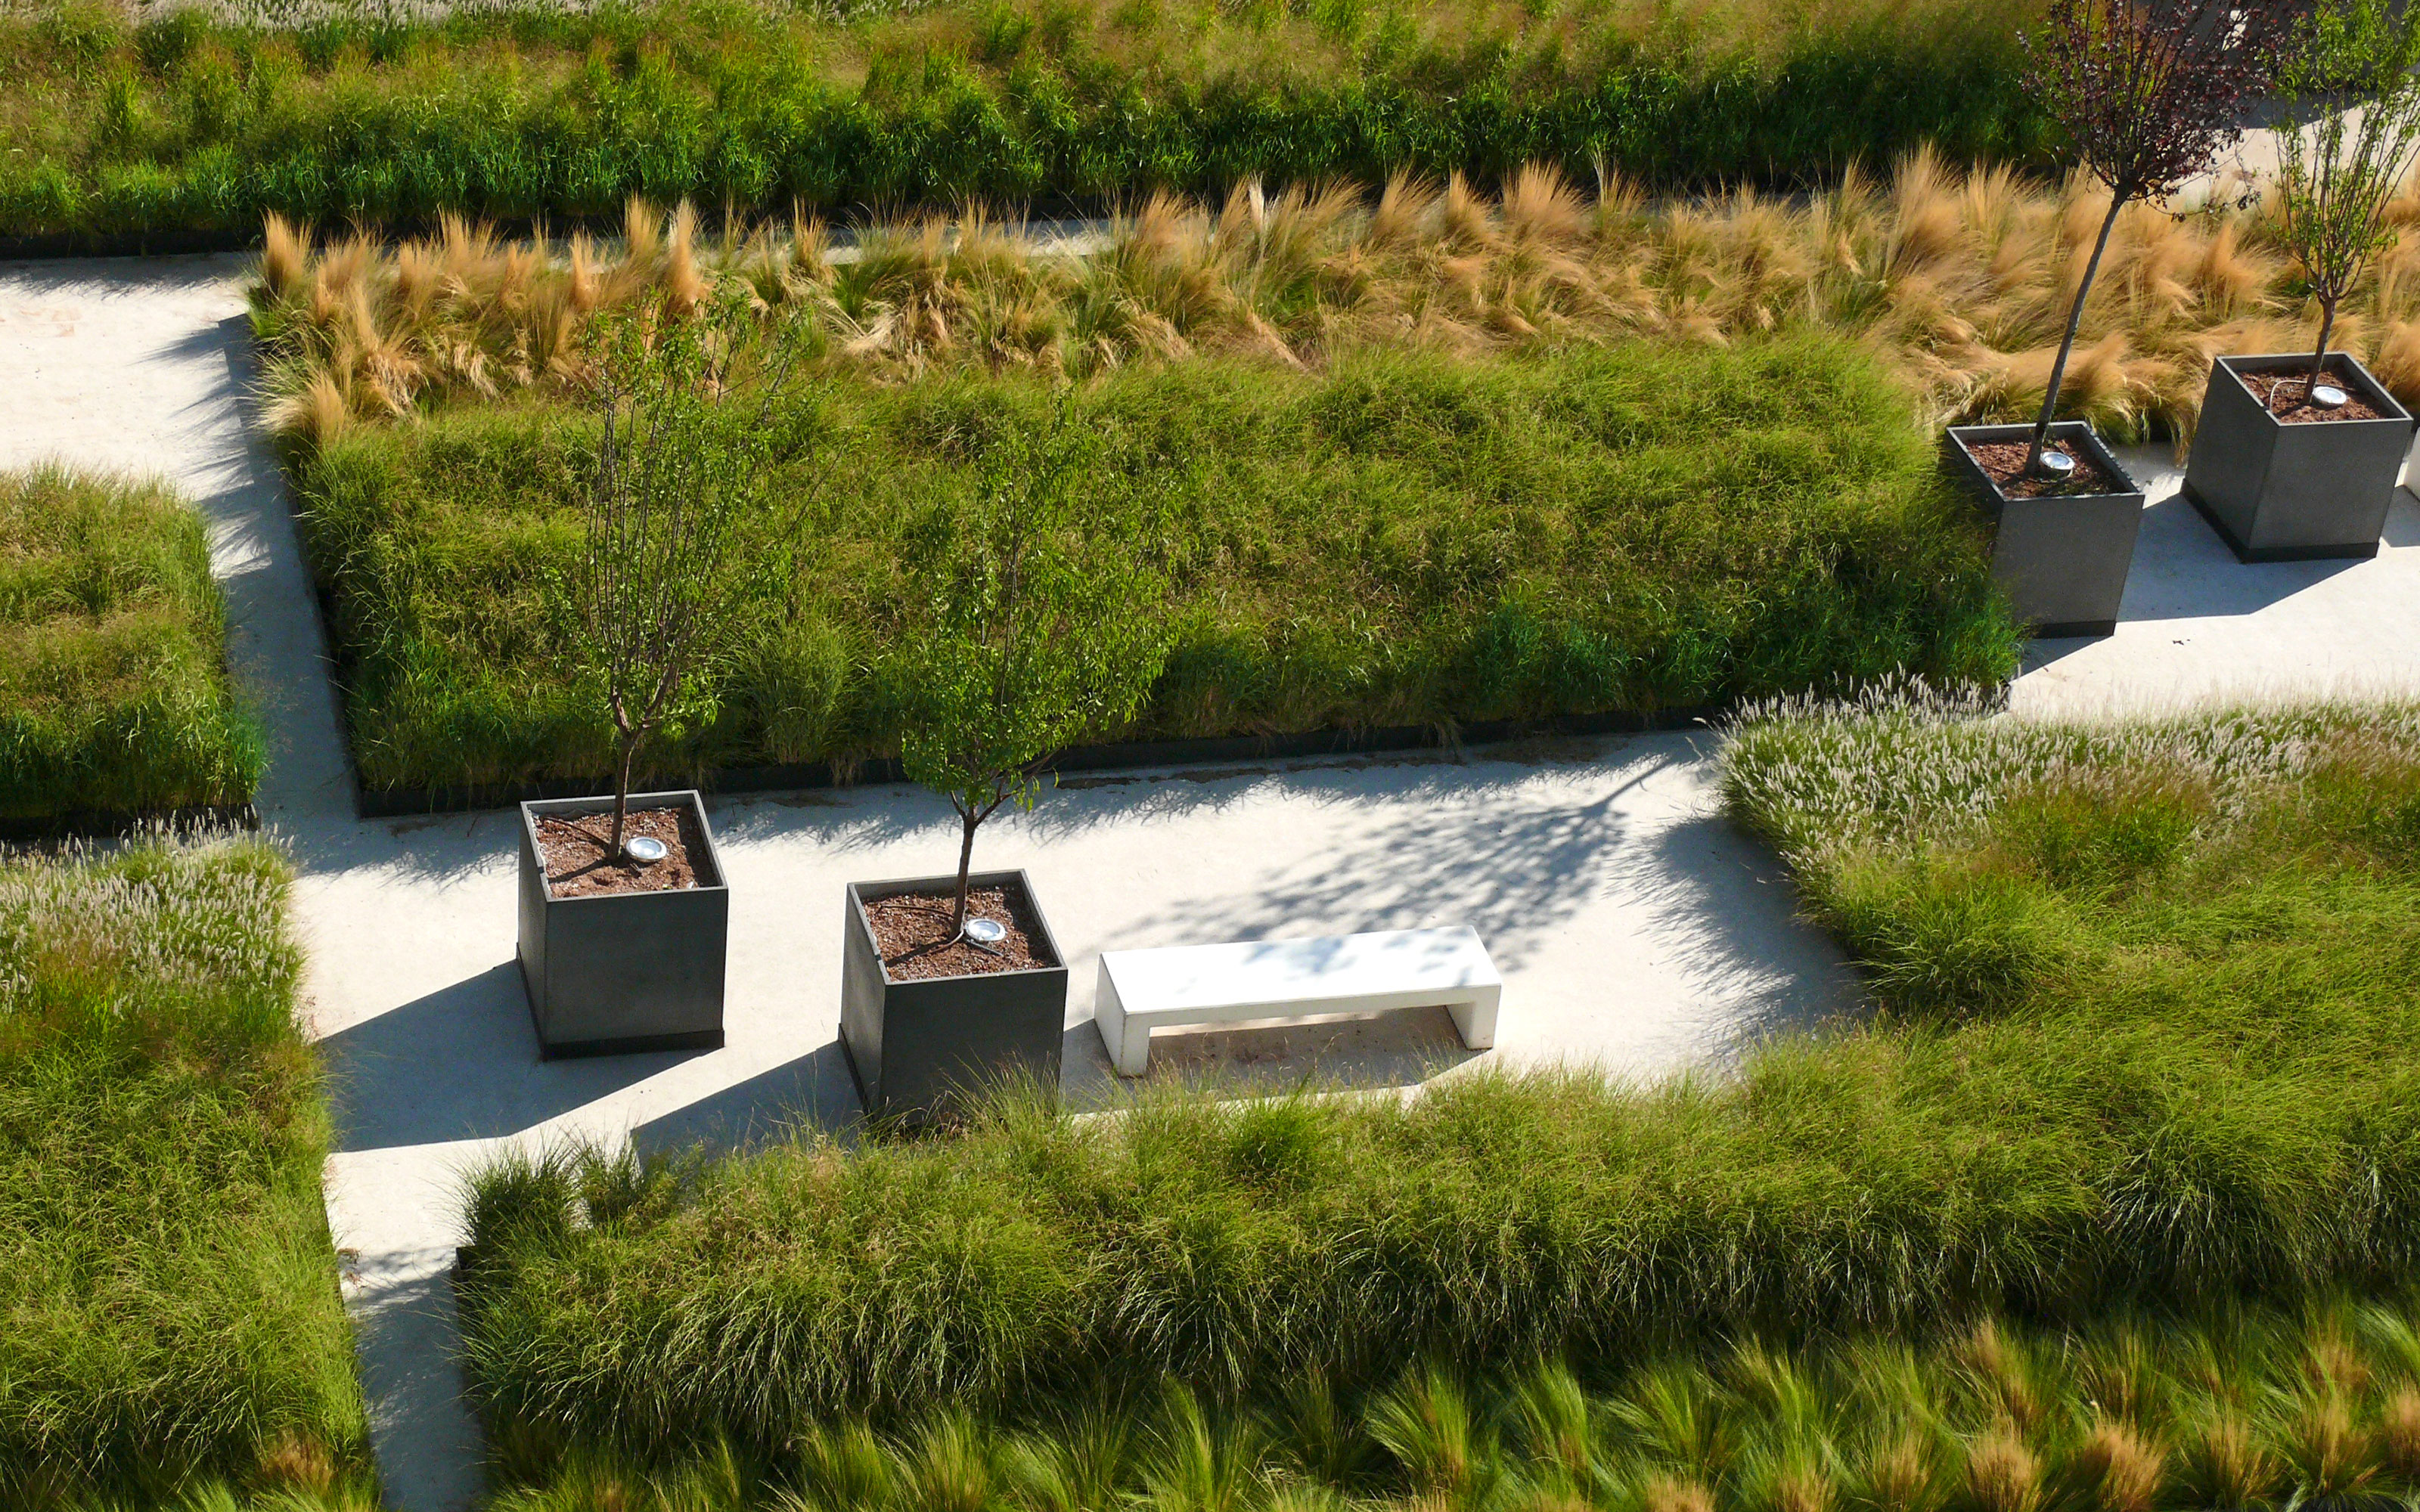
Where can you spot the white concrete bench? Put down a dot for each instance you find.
(1144, 990)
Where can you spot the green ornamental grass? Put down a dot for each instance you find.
(2143, 1409)
(187, 122)
(114, 694)
(1402, 539)
(166, 1283)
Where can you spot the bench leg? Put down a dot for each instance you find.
(1128, 1044)
(1476, 1018)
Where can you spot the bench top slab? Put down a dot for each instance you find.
(1340, 967)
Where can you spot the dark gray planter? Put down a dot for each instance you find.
(2277, 492)
(2062, 561)
(914, 1046)
(625, 971)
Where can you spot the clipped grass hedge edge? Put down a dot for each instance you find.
(1403, 540)
(115, 705)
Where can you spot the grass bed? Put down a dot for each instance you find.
(183, 124)
(173, 1323)
(1402, 539)
(2147, 1011)
(2235, 1408)
(114, 693)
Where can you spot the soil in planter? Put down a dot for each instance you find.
(2003, 463)
(573, 849)
(912, 933)
(2283, 392)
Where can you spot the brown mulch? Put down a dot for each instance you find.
(2003, 463)
(573, 850)
(912, 933)
(2283, 393)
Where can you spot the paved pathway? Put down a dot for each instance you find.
(1634, 928)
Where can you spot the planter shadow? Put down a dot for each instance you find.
(2313, 491)
(2062, 560)
(621, 972)
(919, 1048)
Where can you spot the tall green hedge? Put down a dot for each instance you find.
(186, 125)
(1403, 540)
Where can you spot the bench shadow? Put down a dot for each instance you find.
(1391, 1049)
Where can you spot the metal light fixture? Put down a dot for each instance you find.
(644, 849)
(2058, 465)
(987, 932)
(2328, 396)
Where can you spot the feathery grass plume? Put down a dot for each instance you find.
(2398, 1432)
(2118, 1470)
(2003, 1472)
(285, 251)
(2224, 1463)
(1962, 281)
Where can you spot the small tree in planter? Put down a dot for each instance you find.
(1040, 631)
(2148, 91)
(2334, 180)
(626, 952)
(2287, 469)
(1037, 636)
(680, 463)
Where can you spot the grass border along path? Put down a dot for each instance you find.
(165, 1273)
(1401, 539)
(114, 700)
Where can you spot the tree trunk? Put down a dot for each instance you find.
(966, 859)
(2067, 343)
(2320, 358)
(621, 795)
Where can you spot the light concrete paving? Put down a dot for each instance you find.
(1633, 928)
(145, 365)
(2197, 624)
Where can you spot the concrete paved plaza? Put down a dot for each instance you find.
(1633, 928)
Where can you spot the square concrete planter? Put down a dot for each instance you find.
(624, 971)
(914, 1046)
(2277, 492)
(2061, 561)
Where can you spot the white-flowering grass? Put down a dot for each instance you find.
(171, 1323)
(1960, 850)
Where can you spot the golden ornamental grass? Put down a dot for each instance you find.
(1961, 280)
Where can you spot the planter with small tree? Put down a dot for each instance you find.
(2297, 455)
(625, 913)
(2150, 92)
(1041, 631)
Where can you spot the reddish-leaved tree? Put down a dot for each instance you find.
(2151, 92)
